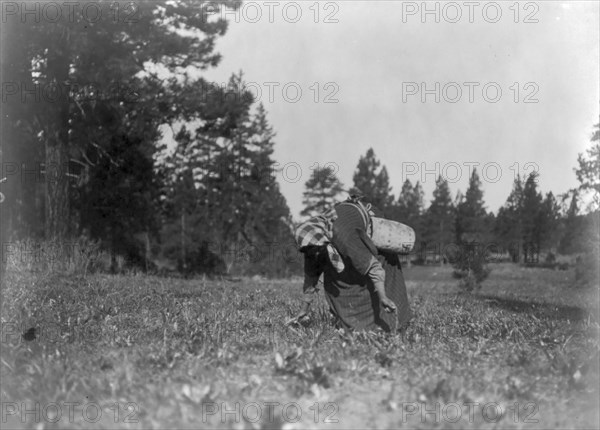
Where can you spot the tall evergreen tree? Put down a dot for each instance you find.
(540, 215)
(408, 209)
(234, 199)
(403, 206)
(384, 198)
(508, 228)
(531, 212)
(588, 170)
(588, 175)
(550, 222)
(88, 99)
(119, 199)
(439, 217)
(473, 226)
(371, 182)
(409, 205)
(322, 190)
(418, 199)
(470, 213)
(527, 219)
(181, 201)
(571, 240)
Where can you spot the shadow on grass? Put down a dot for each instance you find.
(546, 310)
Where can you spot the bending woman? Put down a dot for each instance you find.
(364, 287)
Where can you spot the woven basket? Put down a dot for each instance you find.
(392, 236)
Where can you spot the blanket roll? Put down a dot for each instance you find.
(392, 236)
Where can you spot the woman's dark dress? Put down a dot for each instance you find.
(355, 303)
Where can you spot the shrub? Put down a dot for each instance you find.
(470, 266)
(79, 256)
(550, 258)
(587, 268)
(587, 271)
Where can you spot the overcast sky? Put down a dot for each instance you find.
(375, 60)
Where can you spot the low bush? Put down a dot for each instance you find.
(78, 257)
(470, 266)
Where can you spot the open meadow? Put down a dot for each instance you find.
(151, 352)
(173, 174)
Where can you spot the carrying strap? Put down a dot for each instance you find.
(364, 211)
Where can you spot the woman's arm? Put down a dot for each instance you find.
(309, 292)
(313, 267)
(376, 273)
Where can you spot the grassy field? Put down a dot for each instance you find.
(148, 352)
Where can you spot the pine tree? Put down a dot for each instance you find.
(408, 209)
(322, 190)
(550, 224)
(119, 200)
(181, 201)
(409, 206)
(471, 212)
(75, 124)
(371, 182)
(439, 218)
(571, 240)
(508, 228)
(403, 207)
(417, 200)
(268, 213)
(588, 239)
(527, 220)
(471, 223)
(383, 197)
(588, 171)
(238, 206)
(531, 219)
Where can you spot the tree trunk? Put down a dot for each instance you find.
(148, 253)
(183, 256)
(15, 146)
(57, 191)
(57, 156)
(441, 252)
(113, 256)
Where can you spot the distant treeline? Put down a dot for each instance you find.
(528, 225)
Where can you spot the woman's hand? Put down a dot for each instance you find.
(388, 305)
(301, 316)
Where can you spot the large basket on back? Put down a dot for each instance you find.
(392, 236)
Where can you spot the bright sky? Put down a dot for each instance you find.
(379, 56)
